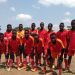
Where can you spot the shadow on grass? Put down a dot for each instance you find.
(69, 72)
(47, 73)
(2, 65)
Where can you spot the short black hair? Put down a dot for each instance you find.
(52, 34)
(62, 23)
(9, 25)
(42, 23)
(14, 30)
(33, 24)
(50, 24)
(20, 24)
(73, 22)
(1, 34)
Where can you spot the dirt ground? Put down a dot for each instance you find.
(14, 71)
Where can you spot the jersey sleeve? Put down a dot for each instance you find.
(61, 43)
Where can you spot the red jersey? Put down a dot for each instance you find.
(55, 48)
(28, 43)
(3, 46)
(42, 34)
(63, 37)
(71, 37)
(33, 31)
(39, 45)
(14, 45)
(8, 35)
(47, 38)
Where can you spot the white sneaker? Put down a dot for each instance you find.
(53, 66)
(23, 68)
(8, 69)
(18, 68)
(20, 64)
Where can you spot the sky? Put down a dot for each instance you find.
(28, 11)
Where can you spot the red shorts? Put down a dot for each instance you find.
(2, 52)
(14, 51)
(71, 52)
(28, 52)
(45, 49)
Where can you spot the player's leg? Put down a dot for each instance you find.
(0, 58)
(7, 59)
(51, 64)
(59, 63)
(24, 60)
(32, 60)
(17, 60)
(10, 61)
(69, 62)
(65, 58)
(44, 64)
(21, 54)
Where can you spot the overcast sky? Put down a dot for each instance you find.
(28, 11)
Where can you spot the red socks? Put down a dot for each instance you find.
(66, 63)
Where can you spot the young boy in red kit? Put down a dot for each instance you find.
(62, 35)
(33, 31)
(42, 33)
(14, 46)
(28, 43)
(71, 43)
(3, 46)
(39, 49)
(7, 36)
(47, 38)
(20, 35)
(55, 50)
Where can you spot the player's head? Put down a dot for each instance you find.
(33, 26)
(61, 26)
(20, 27)
(9, 27)
(73, 24)
(50, 25)
(26, 33)
(42, 25)
(1, 36)
(53, 37)
(14, 33)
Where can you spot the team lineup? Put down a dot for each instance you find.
(38, 47)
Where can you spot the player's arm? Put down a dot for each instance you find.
(68, 40)
(62, 50)
(6, 46)
(32, 46)
(42, 47)
(9, 46)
